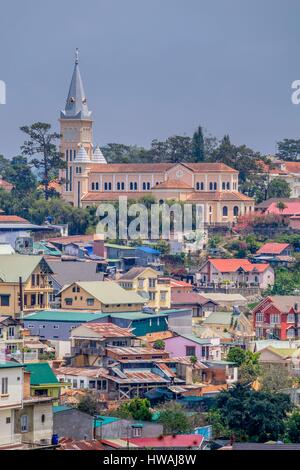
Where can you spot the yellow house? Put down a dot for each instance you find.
(24, 284)
(101, 296)
(147, 283)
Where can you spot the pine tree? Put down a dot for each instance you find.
(198, 151)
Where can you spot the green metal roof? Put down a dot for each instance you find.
(59, 408)
(103, 420)
(109, 292)
(64, 316)
(14, 266)
(136, 315)
(6, 365)
(41, 374)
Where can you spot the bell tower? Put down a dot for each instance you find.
(76, 128)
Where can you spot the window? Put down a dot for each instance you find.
(90, 302)
(137, 432)
(118, 186)
(235, 211)
(259, 317)
(11, 332)
(43, 418)
(190, 350)
(92, 384)
(8, 420)
(215, 186)
(33, 280)
(223, 185)
(228, 186)
(93, 186)
(141, 283)
(274, 318)
(210, 186)
(24, 423)
(74, 383)
(81, 383)
(291, 318)
(225, 211)
(4, 300)
(56, 327)
(4, 386)
(152, 295)
(68, 301)
(290, 333)
(97, 186)
(152, 282)
(163, 295)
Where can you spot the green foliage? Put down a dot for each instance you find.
(41, 149)
(236, 355)
(278, 187)
(88, 404)
(251, 415)
(219, 428)
(293, 427)
(198, 151)
(274, 378)
(287, 281)
(247, 362)
(174, 419)
(159, 344)
(18, 172)
(137, 408)
(288, 149)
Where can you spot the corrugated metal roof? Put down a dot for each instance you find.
(63, 316)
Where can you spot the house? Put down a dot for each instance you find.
(236, 273)
(190, 345)
(108, 427)
(57, 325)
(287, 358)
(105, 296)
(11, 397)
(24, 284)
(275, 254)
(180, 287)
(142, 323)
(43, 381)
(276, 317)
(121, 354)
(176, 442)
(5, 185)
(71, 423)
(34, 421)
(89, 342)
(19, 232)
(146, 282)
(239, 326)
(226, 301)
(10, 333)
(66, 272)
(194, 301)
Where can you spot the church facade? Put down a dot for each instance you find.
(89, 180)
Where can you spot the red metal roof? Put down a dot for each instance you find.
(226, 265)
(109, 330)
(81, 445)
(15, 219)
(181, 440)
(291, 208)
(273, 248)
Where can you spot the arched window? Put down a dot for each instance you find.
(144, 186)
(223, 185)
(118, 186)
(235, 211)
(211, 186)
(228, 186)
(215, 186)
(225, 211)
(43, 418)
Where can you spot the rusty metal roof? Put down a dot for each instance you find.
(109, 330)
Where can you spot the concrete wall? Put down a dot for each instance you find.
(123, 429)
(73, 424)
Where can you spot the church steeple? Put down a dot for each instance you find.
(76, 104)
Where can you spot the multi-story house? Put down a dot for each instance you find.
(277, 317)
(100, 296)
(146, 282)
(24, 284)
(11, 400)
(235, 273)
(90, 180)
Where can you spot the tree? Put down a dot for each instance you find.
(278, 187)
(198, 151)
(293, 427)
(253, 415)
(236, 355)
(88, 404)
(20, 175)
(274, 378)
(288, 149)
(159, 344)
(41, 148)
(137, 408)
(174, 419)
(193, 360)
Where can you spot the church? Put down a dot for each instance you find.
(89, 179)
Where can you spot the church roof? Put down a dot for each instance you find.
(98, 156)
(76, 104)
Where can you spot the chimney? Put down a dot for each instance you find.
(98, 245)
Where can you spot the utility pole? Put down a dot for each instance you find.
(21, 297)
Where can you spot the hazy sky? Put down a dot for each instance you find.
(154, 68)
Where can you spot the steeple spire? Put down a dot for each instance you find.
(76, 104)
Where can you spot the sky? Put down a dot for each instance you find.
(154, 68)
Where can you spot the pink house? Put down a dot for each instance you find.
(190, 345)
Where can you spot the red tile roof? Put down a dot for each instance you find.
(71, 239)
(291, 208)
(188, 298)
(12, 219)
(273, 248)
(174, 283)
(6, 185)
(158, 167)
(225, 265)
(172, 184)
(181, 440)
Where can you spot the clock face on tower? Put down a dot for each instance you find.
(71, 135)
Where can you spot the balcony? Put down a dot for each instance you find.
(89, 351)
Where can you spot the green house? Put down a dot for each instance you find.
(43, 381)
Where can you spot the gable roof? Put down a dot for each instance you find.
(109, 330)
(109, 292)
(228, 265)
(67, 272)
(220, 318)
(189, 298)
(135, 272)
(41, 374)
(6, 219)
(273, 248)
(284, 303)
(63, 316)
(14, 266)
